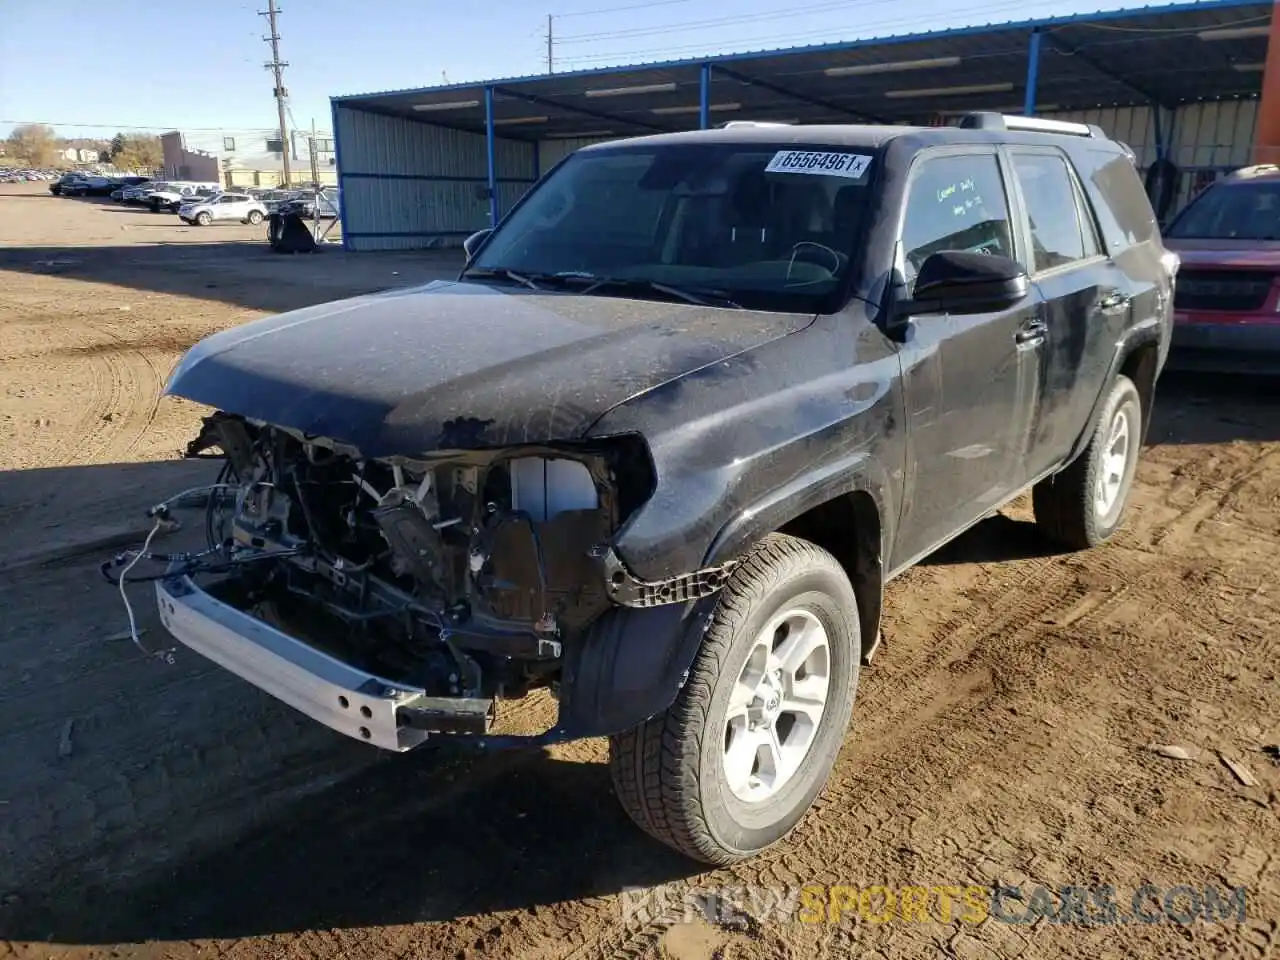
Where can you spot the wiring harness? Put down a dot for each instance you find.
(218, 556)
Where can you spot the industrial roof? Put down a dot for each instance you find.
(1166, 55)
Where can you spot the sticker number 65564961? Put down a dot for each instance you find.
(853, 166)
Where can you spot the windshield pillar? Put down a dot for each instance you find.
(491, 151)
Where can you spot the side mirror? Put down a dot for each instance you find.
(957, 281)
(473, 243)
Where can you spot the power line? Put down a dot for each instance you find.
(149, 128)
(631, 6)
(776, 40)
(782, 13)
(552, 17)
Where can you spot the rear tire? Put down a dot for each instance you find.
(720, 777)
(1082, 505)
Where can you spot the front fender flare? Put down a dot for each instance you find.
(856, 473)
(629, 666)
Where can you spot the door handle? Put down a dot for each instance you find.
(1032, 333)
(1114, 302)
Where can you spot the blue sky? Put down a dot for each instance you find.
(184, 64)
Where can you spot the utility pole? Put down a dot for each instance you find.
(276, 66)
(551, 63)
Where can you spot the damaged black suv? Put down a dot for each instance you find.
(687, 408)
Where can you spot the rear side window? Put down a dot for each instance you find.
(1060, 234)
(955, 203)
(1119, 199)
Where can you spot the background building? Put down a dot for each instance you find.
(1183, 83)
(246, 157)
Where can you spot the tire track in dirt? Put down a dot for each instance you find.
(973, 656)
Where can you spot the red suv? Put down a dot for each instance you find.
(1227, 299)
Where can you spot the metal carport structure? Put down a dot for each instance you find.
(428, 166)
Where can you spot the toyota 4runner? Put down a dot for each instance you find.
(686, 409)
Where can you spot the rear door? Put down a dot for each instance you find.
(1084, 299)
(969, 380)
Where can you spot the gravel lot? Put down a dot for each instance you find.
(1003, 734)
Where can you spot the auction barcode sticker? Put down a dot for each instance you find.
(850, 165)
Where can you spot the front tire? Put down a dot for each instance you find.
(732, 766)
(204, 219)
(255, 217)
(1082, 505)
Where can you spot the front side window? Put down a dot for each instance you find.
(1240, 211)
(767, 226)
(955, 203)
(1058, 233)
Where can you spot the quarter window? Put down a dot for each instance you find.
(1053, 210)
(955, 203)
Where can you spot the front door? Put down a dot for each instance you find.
(970, 381)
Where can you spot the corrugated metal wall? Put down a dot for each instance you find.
(1204, 139)
(551, 152)
(409, 185)
(1214, 134)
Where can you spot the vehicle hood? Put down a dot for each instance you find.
(454, 365)
(1227, 254)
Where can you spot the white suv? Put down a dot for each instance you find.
(223, 206)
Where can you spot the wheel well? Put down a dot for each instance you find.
(848, 527)
(1140, 367)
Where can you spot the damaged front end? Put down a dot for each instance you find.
(397, 597)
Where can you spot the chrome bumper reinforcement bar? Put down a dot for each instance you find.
(362, 705)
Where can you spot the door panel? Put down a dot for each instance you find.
(970, 381)
(1085, 301)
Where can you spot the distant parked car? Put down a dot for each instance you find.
(1227, 300)
(66, 184)
(177, 193)
(224, 206)
(330, 204)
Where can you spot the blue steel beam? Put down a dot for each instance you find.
(799, 97)
(1033, 73)
(337, 156)
(704, 97)
(491, 149)
(585, 111)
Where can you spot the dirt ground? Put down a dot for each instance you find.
(1002, 735)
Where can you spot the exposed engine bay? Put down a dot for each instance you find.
(462, 574)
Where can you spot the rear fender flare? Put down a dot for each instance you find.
(1145, 334)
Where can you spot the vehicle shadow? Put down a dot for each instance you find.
(430, 836)
(242, 272)
(1190, 409)
(1209, 408)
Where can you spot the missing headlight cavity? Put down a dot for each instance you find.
(462, 571)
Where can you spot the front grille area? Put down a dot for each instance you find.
(1221, 290)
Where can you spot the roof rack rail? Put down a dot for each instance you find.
(730, 124)
(979, 120)
(1253, 170)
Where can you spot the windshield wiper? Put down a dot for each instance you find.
(502, 272)
(698, 297)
